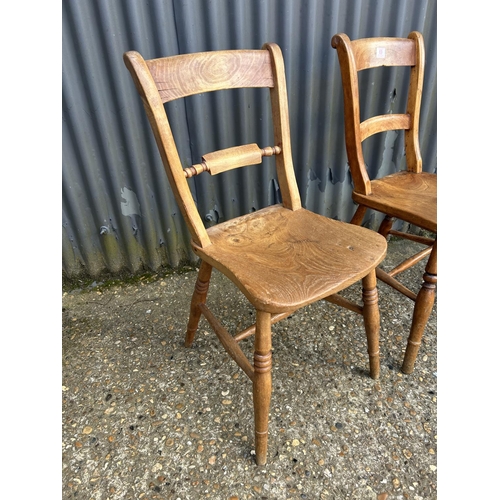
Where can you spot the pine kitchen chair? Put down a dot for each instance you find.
(282, 257)
(409, 195)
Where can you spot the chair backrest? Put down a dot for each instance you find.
(161, 80)
(357, 55)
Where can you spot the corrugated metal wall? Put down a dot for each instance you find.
(118, 210)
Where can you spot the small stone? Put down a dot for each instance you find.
(396, 483)
(87, 429)
(200, 448)
(433, 468)
(157, 467)
(295, 442)
(321, 462)
(407, 453)
(226, 402)
(212, 460)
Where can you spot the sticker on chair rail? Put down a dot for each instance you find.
(380, 52)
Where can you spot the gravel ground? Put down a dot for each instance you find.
(145, 418)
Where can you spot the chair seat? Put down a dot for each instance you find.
(405, 195)
(283, 259)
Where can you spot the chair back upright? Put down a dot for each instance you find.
(159, 81)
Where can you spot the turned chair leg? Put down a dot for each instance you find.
(371, 316)
(386, 226)
(199, 297)
(421, 312)
(358, 216)
(262, 384)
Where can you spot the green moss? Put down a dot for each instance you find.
(106, 279)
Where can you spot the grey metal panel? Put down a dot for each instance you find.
(118, 210)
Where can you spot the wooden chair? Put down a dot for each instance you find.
(409, 195)
(281, 257)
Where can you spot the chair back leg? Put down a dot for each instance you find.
(199, 297)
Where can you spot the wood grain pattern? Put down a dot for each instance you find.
(188, 74)
(382, 123)
(383, 51)
(282, 259)
(407, 196)
(229, 158)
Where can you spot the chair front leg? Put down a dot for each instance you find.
(199, 297)
(262, 384)
(371, 316)
(422, 311)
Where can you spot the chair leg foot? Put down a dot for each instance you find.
(262, 384)
(421, 312)
(371, 316)
(199, 297)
